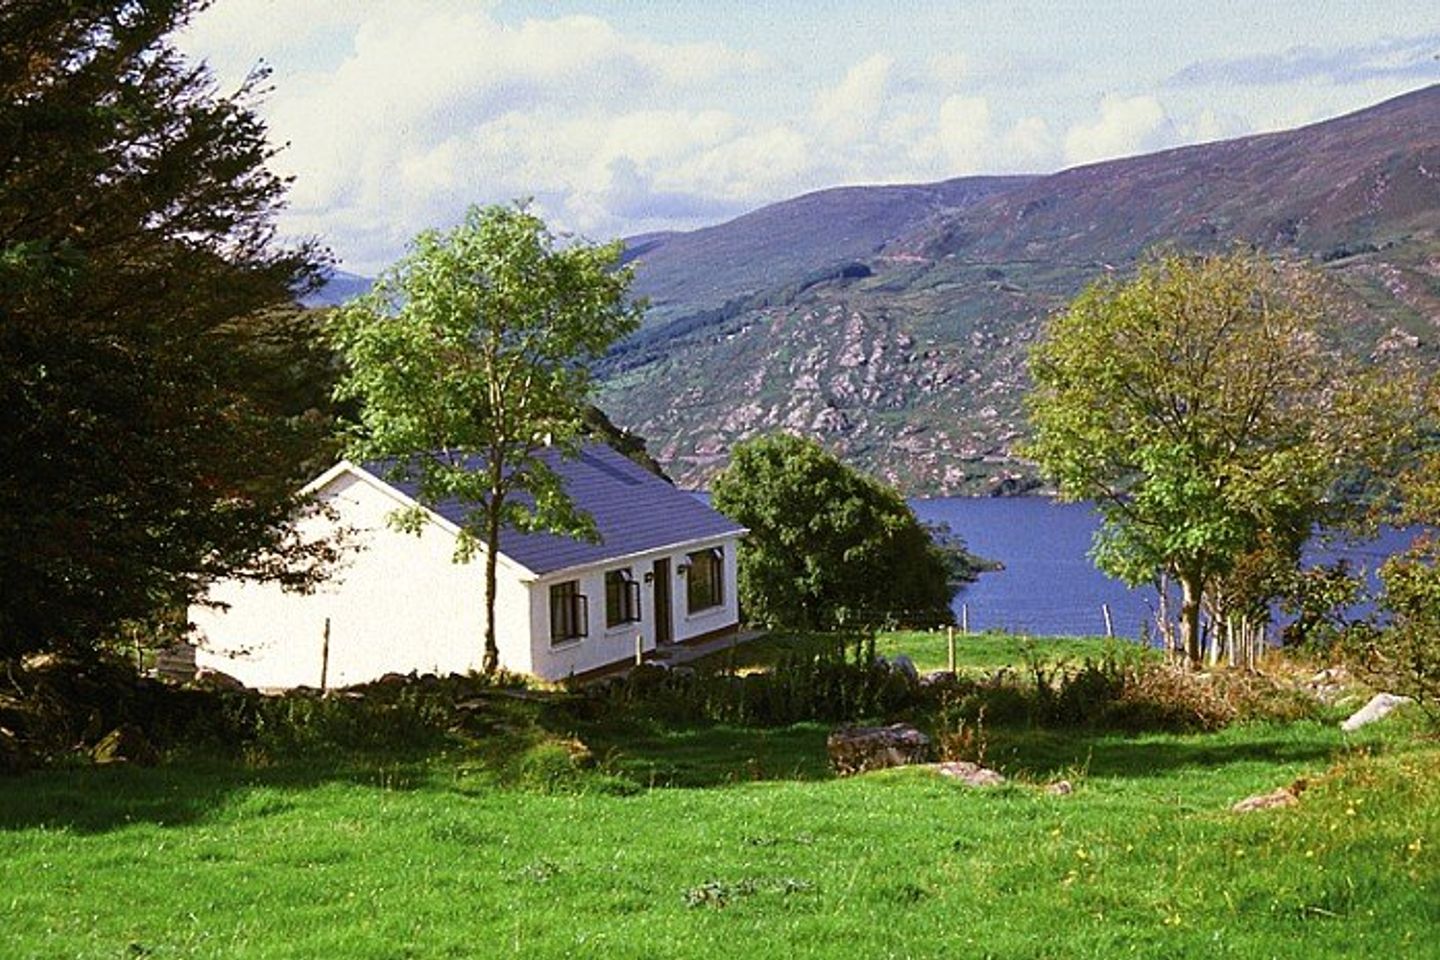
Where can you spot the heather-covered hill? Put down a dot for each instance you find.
(790, 241)
(892, 322)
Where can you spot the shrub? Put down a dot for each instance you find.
(1119, 692)
(828, 545)
(837, 684)
(550, 767)
(1400, 648)
(308, 723)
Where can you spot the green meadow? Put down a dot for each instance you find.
(699, 840)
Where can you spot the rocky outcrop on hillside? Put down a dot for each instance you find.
(899, 341)
(921, 414)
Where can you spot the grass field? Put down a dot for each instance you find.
(975, 653)
(750, 850)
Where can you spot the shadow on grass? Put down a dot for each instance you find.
(646, 752)
(317, 743)
(89, 799)
(1048, 752)
(652, 753)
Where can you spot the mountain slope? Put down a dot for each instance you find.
(1373, 173)
(338, 287)
(783, 243)
(898, 338)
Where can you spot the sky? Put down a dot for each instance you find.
(619, 117)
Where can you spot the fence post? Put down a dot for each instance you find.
(1109, 624)
(639, 649)
(325, 658)
(965, 618)
(950, 647)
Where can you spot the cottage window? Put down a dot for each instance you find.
(569, 612)
(705, 579)
(622, 598)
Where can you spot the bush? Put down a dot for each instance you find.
(62, 705)
(1119, 692)
(308, 723)
(550, 767)
(828, 545)
(844, 683)
(1400, 649)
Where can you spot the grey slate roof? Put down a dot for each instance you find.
(634, 511)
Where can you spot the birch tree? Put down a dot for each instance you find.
(469, 357)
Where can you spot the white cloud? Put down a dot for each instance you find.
(1126, 126)
(1209, 126)
(964, 133)
(1029, 146)
(951, 69)
(400, 113)
(429, 108)
(849, 112)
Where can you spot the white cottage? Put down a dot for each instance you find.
(663, 571)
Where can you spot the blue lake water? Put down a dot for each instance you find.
(1049, 584)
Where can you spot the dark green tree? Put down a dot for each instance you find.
(828, 545)
(1204, 408)
(148, 348)
(469, 358)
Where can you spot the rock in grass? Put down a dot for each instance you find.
(125, 744)
(904, 665)
(858, 749)
(1283, 797)
(1265, 801)
(207, 679)
(1379, 705)
(970, 774)
(1060, 788)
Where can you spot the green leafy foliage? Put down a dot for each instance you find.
(1201, 405)
(151, 361)
(469, 358)
(841, 681)
(1400, 648)
(827, 545)
(1403, 650)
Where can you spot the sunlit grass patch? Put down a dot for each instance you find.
(544, 832)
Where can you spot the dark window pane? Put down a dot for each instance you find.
(705, 580)
(622, 598)
(569, 612)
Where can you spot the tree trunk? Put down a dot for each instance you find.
(1190, 593)
(492, 556)
(492, 535)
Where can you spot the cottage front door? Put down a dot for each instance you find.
(664, 631)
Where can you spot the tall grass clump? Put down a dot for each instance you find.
(1120, 690)
(845, 681)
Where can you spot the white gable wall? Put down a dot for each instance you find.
(398, 604)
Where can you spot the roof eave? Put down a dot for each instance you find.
(385, 487)
(636, 554)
